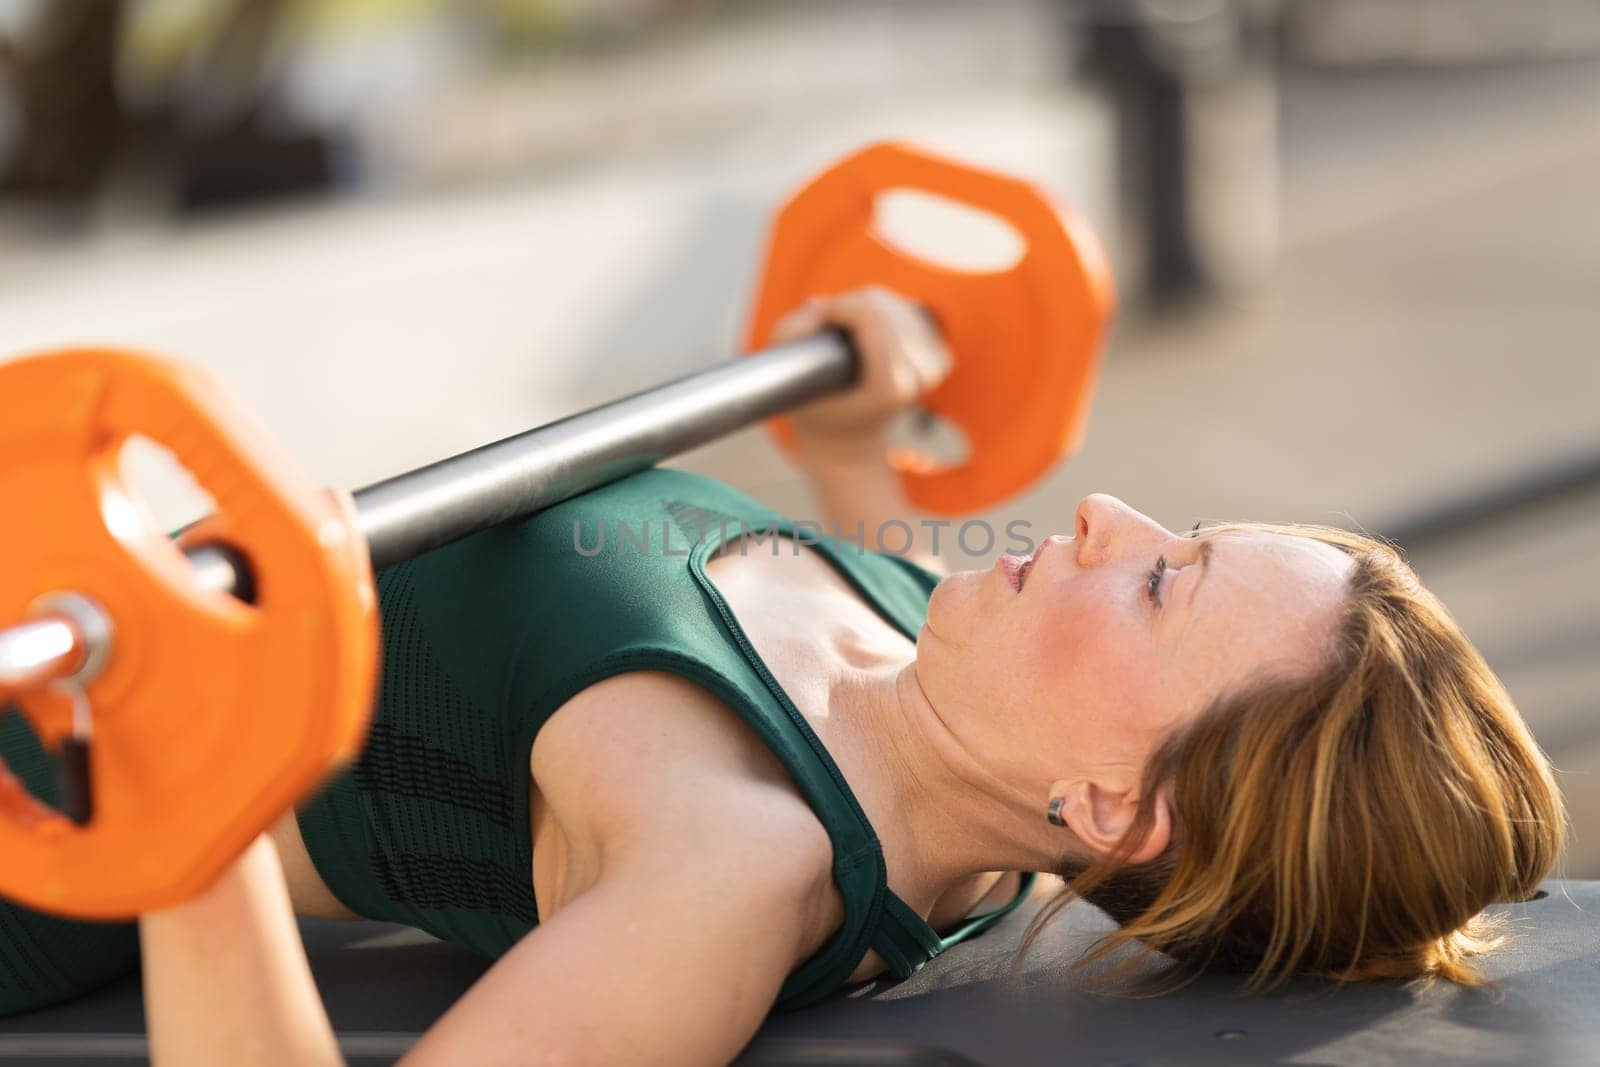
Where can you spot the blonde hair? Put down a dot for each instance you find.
(1353, 824)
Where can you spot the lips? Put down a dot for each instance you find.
(1013, 567)
(1028, 561)
(1017, 568)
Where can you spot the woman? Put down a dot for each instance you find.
(1265, 745)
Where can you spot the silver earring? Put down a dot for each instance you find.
(1053, 812)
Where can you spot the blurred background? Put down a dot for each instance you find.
(1357, 241)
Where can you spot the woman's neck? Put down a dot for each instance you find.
(942, 815)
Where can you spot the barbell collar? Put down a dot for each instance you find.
(67, 638)
(37, 652)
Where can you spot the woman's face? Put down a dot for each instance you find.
(1065, 671)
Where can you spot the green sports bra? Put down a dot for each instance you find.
(485, 638)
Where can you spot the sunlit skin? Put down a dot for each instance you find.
(1065, 688)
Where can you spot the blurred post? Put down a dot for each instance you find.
(1193, 84)
(63, 87)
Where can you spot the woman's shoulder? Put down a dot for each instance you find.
(694, 770)
(690, 793)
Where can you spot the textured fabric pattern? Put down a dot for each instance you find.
(422, 829)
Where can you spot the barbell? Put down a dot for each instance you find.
(194, 688)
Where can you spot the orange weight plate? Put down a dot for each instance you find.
(212, 716)
(1025, 340)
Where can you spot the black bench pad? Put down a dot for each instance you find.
(385, 984)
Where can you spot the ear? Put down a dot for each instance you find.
(1099, 816)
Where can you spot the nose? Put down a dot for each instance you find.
(1107, 528)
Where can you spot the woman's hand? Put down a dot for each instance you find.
(843, 439)
(902, 357)
(226, 977)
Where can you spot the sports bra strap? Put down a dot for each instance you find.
(979, 923)
(906, 941)
(903, 938)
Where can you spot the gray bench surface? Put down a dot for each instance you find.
(385, 984)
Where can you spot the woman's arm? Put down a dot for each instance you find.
(844, 439)
(710, 891)
(662, 962)
(862, 493)
(711, 888)
(226, 978)
(673, 957)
